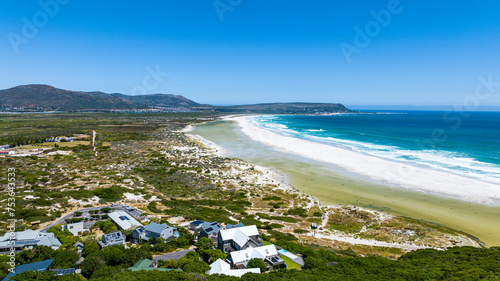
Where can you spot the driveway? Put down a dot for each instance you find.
(172, 256)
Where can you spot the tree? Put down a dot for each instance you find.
(312, 262)
(65, 259)
(107, 226)
(212, 255)
(38, 253)
(204, 243)
(197, 267)
(91, 264)
(66, 237)
(167, 263)
(257, 263)
(91, 248)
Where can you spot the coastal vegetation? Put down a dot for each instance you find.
(148, 162)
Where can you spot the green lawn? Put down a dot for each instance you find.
(290, 263)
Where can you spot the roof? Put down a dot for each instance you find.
(229, 225)
(49, 241)
(64, 271)
(23, 235)
(35, 266)
(222, 267)
(198, 222)
(240, 235)
(253, 253)
(145, 264)
(211, 227)
(112, 238)
(124, 220)
(78, 244)
(30, 238)
(218, 266)
(156, 228)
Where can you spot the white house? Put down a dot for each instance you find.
(124, 220)
(238, 238)
(269, 254)
(75, 228)
(222, 267)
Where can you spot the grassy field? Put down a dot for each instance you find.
(290, 263)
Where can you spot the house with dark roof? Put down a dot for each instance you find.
(209, 229)
(63, 271)
(154, 230)
(79, 247)
(110, 239)
(238, 238)
(35, 266)
(195, 225)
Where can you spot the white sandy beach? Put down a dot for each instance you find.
(381, 170)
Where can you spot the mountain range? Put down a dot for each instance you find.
(39, 98)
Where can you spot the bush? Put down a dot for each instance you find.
(257, 263)
(197, 267)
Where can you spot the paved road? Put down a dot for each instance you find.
(85, 213)
(172, 256)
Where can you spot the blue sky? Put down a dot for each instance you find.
(428, 53)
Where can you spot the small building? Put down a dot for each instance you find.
(222, 267)
(75, 228)
(79, 247)
(27, 240)
(4, 146)
(147, 264)
(269, 254)
(7, 152)
(35, 266)
(124, 220)
(239, 238)
(110, 239)
(314, 225)
(154, 230)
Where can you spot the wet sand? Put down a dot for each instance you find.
(332, 185)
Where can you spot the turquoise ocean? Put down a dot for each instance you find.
(464, 143)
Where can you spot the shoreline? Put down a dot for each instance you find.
(272, 175)
(331, 188)
(378, 170)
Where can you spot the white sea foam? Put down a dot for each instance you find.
(398, 173)
(441, 160)
(315, 130)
